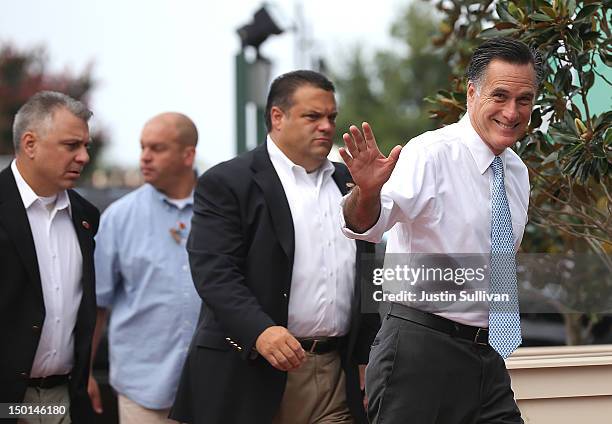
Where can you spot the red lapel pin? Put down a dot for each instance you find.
(85, 225)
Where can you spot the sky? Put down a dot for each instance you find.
(178, 55)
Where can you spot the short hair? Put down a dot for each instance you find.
(507, 50)
(284, 86)
(38, 111)
(188, 132)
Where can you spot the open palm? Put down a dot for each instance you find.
(369, 168)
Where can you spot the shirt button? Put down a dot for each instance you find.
(57, 320)
(185, 268)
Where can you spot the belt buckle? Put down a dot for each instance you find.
(314, 345)
(477, 337)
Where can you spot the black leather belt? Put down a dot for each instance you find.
(474, 334)
(321, 345)
(48, 382)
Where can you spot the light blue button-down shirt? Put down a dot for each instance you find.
(142, 274)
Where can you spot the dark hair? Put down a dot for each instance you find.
(283, 87)
(37, 112)
(507, 50)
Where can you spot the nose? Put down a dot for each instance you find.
(511, 111)
(82, 156)
(326, 125)
(145, 155)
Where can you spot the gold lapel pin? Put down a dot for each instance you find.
(85, 225)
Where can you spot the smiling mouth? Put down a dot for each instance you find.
(505, 126)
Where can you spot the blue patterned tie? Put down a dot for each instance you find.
(504, 318)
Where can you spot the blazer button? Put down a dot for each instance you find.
(36, 329)
(285, 295)
(24, 375)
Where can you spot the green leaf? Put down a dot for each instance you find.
(571, 7)
(587, 79)
(549, 11)
(550, 158)
(562, 79)
(587, 11)
(536, 118)
(574, 40)
(540, 17)
(494, 32)
(504, 14)
(590, 35)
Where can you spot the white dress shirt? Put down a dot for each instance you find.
(323, 278)
(60, 266)
(438, 200)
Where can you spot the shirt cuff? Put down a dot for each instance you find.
(374, 234)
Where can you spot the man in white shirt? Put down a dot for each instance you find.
(47, 299)
(456, 191)
(281, 337)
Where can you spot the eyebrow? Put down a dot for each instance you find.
(525, 94)
(75, 140)
(316, 112)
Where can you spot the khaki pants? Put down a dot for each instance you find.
(315, 393)
(57, 396)
(132, 413)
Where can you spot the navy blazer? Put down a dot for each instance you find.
(241, 250)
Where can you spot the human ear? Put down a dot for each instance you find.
(27, 144)
(276, 116)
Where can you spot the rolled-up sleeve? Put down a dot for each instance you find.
(408, 194)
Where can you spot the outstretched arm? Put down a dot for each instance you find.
(370, 170)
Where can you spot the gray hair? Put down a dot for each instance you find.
(37, 112)
(507, 50)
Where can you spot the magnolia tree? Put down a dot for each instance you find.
(568, 145)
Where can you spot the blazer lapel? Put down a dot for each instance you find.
(266, 178)
(341, 177)
(83, 229)
(14, 219)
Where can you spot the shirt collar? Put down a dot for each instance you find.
(279, 159)
(163, 198)
(483, 156)
(28, 196)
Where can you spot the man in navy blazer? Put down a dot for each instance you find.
(47, 298)
(280, 288)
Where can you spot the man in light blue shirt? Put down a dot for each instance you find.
(143, 278)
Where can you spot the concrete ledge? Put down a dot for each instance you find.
(564, 384)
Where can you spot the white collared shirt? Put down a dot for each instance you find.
(323, 278)
(438, 200)
(60, 265)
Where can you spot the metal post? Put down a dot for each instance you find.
(241, 70)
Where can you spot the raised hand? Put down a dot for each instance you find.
(369, 168)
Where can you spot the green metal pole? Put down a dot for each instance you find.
(241, 69)
(262, 131)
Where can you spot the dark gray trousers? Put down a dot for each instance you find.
(418, 375)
